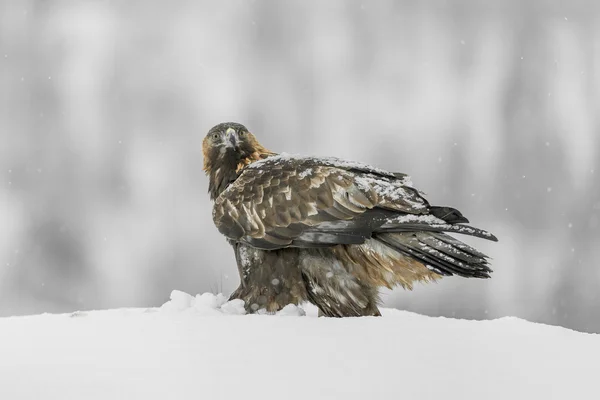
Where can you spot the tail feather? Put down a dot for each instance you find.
(440, 256)
(448, 249)
(458, 244)
(427, 227)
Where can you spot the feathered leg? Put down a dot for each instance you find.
(269, 280)
(333, 289)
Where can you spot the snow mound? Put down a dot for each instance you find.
(291, 311)
(211, 304)
(180, 350)
(203, 304)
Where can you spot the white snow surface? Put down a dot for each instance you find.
(203, 348)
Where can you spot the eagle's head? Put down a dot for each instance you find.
(227, 149)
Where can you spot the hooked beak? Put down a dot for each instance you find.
(232, 139)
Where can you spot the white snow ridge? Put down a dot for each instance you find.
(203, 347)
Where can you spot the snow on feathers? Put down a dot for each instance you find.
(327, 230)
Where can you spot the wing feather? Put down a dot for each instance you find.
(307, 192)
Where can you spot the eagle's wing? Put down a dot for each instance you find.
(285, 201)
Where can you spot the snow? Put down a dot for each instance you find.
(327, 161)
(388, 189)
(199, 347)
(305, 173)
(423, 219)
(291, 310)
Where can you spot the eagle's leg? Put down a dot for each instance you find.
(269, 280)
(333, 289)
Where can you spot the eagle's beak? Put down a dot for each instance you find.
(232, 138)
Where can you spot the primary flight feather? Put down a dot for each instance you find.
(327, 230)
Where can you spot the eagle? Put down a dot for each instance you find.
(326, 230)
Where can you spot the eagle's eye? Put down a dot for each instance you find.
(215, 136)
(242, 133)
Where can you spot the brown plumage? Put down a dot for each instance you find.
(327, 230)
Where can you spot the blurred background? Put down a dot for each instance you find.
(492, 108)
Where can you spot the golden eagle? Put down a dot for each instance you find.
(327, 230)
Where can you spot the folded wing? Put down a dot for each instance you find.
(288, 201)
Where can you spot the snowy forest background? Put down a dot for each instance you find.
(492, 107)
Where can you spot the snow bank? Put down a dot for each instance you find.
(202, 348)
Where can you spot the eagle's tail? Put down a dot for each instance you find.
(439, 219)
(441, 253)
